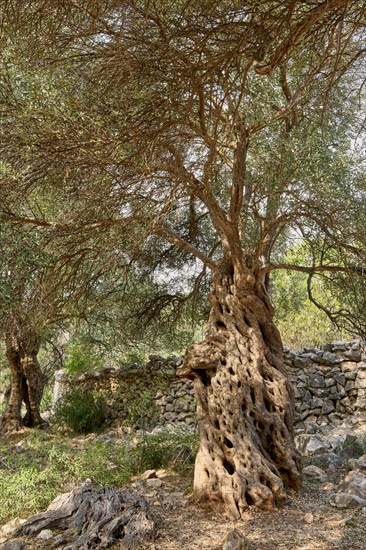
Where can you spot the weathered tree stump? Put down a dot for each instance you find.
(92, 517)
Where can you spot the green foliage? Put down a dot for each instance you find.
(47, 396)
(353, 447)
(301, 322)
(157, 451)
(46, 464)
(81, 358)
(82, 411)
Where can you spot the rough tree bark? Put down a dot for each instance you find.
(35, 383)
(244, 401)
(91, 517)
(11, 419)
(26, 385)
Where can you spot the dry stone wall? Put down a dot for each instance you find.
(141, 395)
(329, 383)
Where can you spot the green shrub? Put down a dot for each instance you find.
(353, 447)
(47, 396)
(81, 358)
(83, 412)
(161, 451)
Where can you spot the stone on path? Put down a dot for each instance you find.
(235, 540)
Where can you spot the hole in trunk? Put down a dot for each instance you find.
(249, 499)
(260, 426)
(228, 443)
(239, 384)
(247, 322)
(202, 375)
(220, 324)
(216, 424)
(272, 455)
(252, 395)
(231, 371)
(263, 481)
(267, 404)
(268, 377)
(229, 467)
(223, 362)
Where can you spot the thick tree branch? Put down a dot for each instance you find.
(295, 35)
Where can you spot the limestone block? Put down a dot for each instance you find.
(349, 385)
(328, 406)
(319, 392)
(353, 354)
(345, 500)
(339, 378)
(323, 421)
(360, 381)
(331, 358)
(315, 472)
(360, 404)
(348, 366)
(316, 402)
(302, 362)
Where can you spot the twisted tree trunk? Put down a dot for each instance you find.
(35, 381)
(11, 419)
(26, 385)
(245, 408)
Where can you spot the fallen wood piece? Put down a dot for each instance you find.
(92, 517)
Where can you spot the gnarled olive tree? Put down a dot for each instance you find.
(210, 126)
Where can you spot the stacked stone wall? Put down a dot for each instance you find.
(329, 384)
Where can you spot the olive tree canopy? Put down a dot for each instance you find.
(206, 130)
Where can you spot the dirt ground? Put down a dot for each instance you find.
(184, 526)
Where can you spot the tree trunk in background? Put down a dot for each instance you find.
(11, 418)
(245, 404)
(26, 385)
(36, 381)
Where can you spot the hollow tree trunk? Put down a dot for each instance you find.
(244, 401)
(36, 381)
(26, 385)
(11, 419)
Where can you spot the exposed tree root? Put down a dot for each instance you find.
(91, 517)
